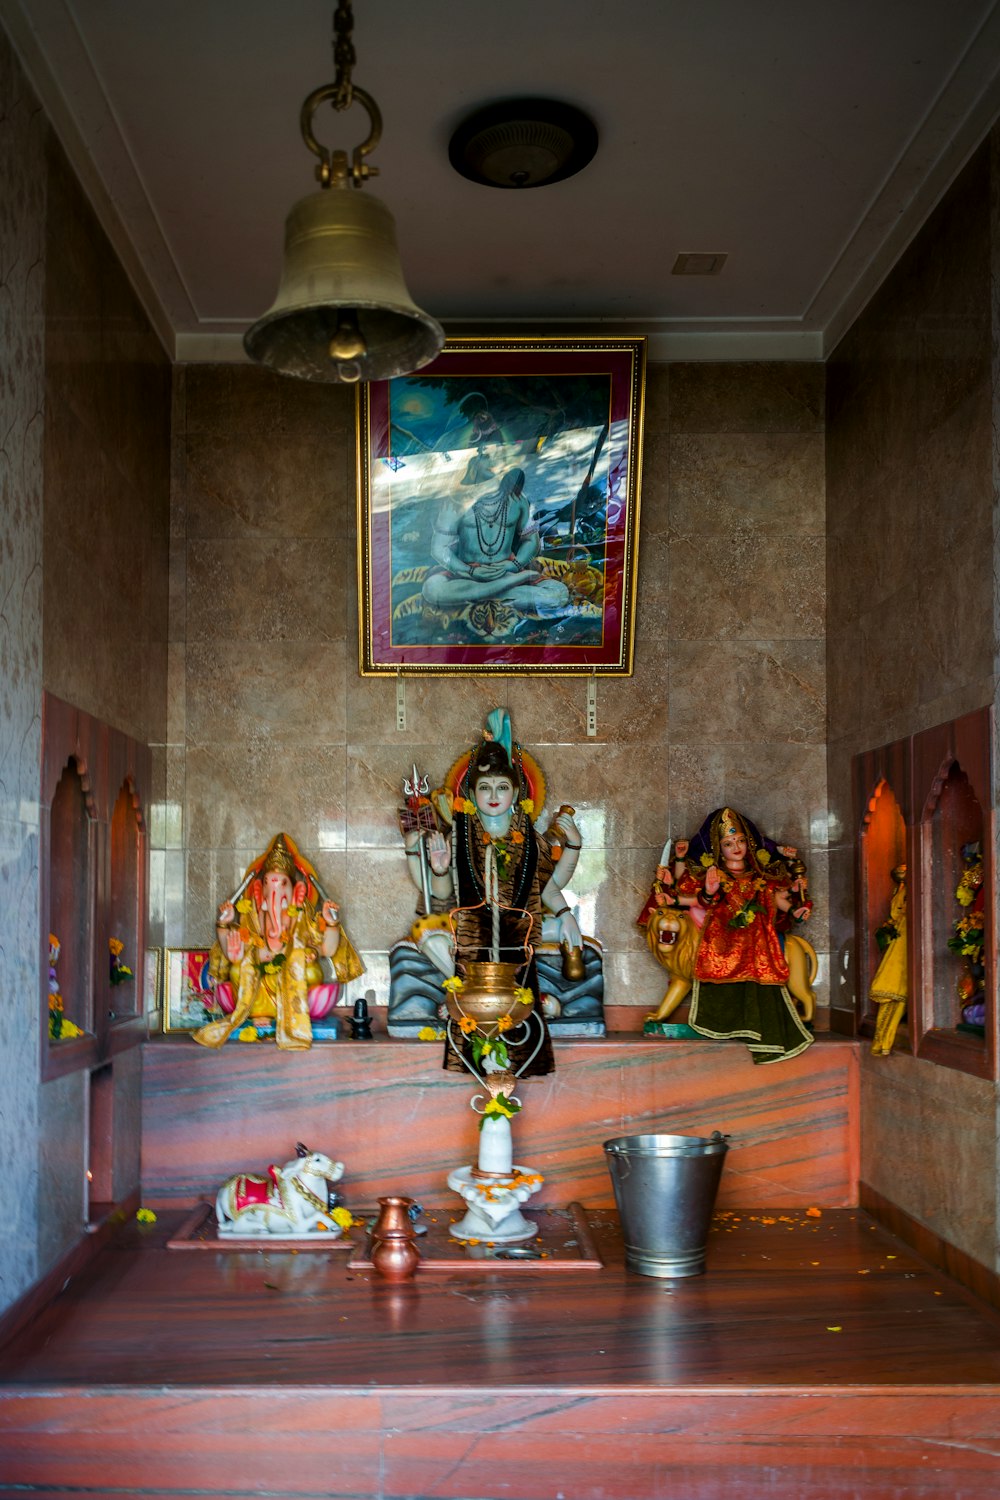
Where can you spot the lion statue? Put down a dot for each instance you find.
(673, 940)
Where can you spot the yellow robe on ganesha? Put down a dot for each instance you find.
(266, 960)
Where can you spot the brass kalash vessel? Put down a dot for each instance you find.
(487, 995)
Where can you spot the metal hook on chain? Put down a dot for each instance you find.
(334, 168)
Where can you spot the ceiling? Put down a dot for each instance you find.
(807, 139)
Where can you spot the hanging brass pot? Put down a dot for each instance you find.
(487, 995)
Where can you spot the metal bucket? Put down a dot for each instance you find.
(665, 1187)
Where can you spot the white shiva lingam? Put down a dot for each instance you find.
(495, 1188)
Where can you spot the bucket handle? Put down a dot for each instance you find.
(623, 1165)
(621, 1162)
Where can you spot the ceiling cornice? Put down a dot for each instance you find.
(51, 46)
(663, 347)
(91, 108)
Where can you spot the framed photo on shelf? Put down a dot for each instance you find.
(187, 999)
(498, 509)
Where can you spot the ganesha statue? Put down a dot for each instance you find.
(722, 919)
(281, 954)
(493, 881)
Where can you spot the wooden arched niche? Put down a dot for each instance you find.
(70, 887)
(93, 852)
(953, 797)
(953, 831)
(929, 796)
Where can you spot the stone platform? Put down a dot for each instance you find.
(400, 1123)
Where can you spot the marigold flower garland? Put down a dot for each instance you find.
(489, 1045)
(120, 972)
(61, 1028)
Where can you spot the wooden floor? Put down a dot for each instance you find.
(816, 1358)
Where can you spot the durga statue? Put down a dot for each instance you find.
(721, 918)
(492, 886)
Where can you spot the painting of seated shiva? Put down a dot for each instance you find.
(499, 509)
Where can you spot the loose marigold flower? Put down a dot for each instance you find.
(467, 1024)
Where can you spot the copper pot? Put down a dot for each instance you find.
(394, 1250)
(487, 995)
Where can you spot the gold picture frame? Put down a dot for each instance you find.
(498, 509)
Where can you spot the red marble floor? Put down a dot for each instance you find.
(817, 1358)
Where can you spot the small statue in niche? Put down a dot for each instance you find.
(967, 941)
(723, 913)
(280, 954)
(889, 989)
(475, 836)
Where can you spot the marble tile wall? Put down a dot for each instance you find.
(84, 493)
(270, 725)
(912, 636)
(22, 401)
(928, 1144)
(745, 561)
(105, 578)
(106, 527)
(107, 446)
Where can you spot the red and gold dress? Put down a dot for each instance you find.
(738, 941)
(741, 974)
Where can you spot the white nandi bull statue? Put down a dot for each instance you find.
(291, 1200)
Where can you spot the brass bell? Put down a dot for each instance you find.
(343, 312)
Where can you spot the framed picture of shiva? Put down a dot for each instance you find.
(498, 505)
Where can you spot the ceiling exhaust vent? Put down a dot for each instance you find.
(523, 143)
(699, 263)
